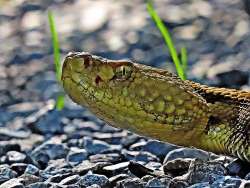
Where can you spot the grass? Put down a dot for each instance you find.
(180, 62)
(56, 52)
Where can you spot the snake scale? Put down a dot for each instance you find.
(155, 103)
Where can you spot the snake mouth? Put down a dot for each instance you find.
(66, 69)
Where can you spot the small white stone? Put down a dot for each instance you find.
(94, 16)
(241, 28)
(32, 20)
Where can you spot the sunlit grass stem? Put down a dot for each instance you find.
(180, 64)
(56, 52)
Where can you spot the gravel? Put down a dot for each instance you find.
(42, 147)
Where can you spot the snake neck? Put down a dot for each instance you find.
(228, 126)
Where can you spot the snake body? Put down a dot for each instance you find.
(155, 103)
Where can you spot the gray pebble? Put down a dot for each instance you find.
(200, 171)
(201, 185)
(12, 183)
(31, 169)
(95, 146)
(19, 167)
(91, 179)
(6, 173)
(131, 183)
(189, 153)
(227, 181)
(155, 182)
(116, 168)
(76, 156)
(52, 150)
(160, 149)
(70, 180)
(15, 157)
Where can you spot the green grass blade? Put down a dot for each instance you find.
(166, 35)
(55, 43)
(60, 102)
(56, 52)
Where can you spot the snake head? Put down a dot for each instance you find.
(96, 78)
(143, 99)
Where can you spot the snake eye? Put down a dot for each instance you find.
(123, 72)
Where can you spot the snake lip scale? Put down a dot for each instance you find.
(155, 103)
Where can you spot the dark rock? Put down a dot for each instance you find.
(77, 113)
(70, 180)
(28, 179)
(131, 183)
(139, 170)
(50, 149)
(245, 184)
(146, 157)
(6, 173)
(31, 169)
(115, 169)
(189, 153)
(175, 184)
(113, 180)
(177, 166)
(12, 183)
(86, 166)
(56, 169)
(15, 157)
(95, 146)
(76, 156)
(50, 123)
(142, 156)
(247, 177)
(247, 6)
(147, 178)
(42, 159)
(200, 171)
(19, 167)
(107, 157)
(160, 149)
(238, 167)
(237, 78)
(155, 182)
(73, 143)
(91, 179)
(6, 146)
(129, 140)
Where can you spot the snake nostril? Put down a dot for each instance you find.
(97, 80)
(87, 61)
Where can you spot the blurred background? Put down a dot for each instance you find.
(216, 34)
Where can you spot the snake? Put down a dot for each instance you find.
(156, 103)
